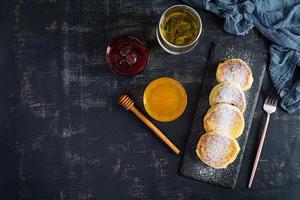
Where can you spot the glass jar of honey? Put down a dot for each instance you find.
(165, 99)
(179, 29)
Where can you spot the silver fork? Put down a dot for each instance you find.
(270, 106)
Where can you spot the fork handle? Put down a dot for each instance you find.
(260, 146)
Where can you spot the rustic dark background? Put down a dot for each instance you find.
(62, 134)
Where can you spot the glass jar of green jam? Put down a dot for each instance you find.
(179, 29)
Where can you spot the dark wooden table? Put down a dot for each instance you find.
(63, 136)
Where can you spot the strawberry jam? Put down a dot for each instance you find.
(127, 55)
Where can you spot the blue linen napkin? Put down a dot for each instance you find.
(279, 21)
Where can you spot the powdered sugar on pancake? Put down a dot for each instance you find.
(235, 71)
(215, 149)
(224, 118)
(232, 95)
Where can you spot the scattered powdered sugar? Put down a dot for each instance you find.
(245, 55)
(235, 71)
(231, 95)
(207, 173)
(216, 149)
(224, 118)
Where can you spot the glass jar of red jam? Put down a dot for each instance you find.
(127, 55)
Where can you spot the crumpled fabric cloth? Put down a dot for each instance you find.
(277, 20)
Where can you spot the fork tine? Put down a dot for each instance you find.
(276, 99)
(268, 100)
(271, 99)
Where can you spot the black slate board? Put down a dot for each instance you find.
(191, 165)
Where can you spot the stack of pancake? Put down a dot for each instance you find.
(224, 121)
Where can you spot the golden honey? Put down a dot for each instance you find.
(179, 27)
(165, 99)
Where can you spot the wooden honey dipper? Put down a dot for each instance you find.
(128, 104)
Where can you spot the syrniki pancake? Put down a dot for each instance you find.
(217, 150)
(237, 71)
(226, 118)
(230, 93)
